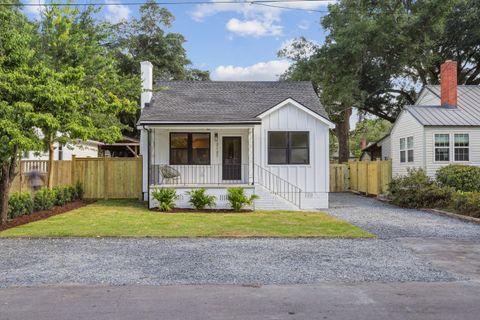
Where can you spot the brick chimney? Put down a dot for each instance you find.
(448, 84)
(363, 144)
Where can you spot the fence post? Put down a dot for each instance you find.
(72, 169)
(105, 178)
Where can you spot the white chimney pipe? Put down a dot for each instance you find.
(146, 69)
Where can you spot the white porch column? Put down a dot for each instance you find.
(251, 165)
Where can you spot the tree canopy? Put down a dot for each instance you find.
(378, 54)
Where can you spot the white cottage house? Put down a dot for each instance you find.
(443, 127)
(269, 137)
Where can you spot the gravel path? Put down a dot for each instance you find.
(28, 262)
(390, 222)
(208, 261)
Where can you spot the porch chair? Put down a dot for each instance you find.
(168, 172)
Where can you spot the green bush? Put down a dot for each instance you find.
(417, 190)
(459, 177)
(166, 198)
(78, 192)
(44, 199)
(19, 204)
(238, 199)
(200, 200)
(467, 203)
(61, 195)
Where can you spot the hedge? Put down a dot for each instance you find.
(23, 203)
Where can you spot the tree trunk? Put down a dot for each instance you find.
(4, 190)
(6, 177)
(342, 131)
(51, 151)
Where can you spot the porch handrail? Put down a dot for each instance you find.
(278, 186)
(208, 174)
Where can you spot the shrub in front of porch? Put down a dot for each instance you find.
(166, 198)
(199, 199)
(238, 199)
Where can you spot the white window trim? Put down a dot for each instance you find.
(453, 148)
(449, 148)
(406, 150)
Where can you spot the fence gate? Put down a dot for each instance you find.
(368, 177)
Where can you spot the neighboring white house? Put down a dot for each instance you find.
(87, 148)
(379, 150)
(270, 137)
(443, 127)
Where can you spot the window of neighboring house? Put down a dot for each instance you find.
(288, 147)
(410, 149)
(60, 152)
(26, 154)
(406, 149)
(461, 142)
(442, 147)
(189, 148)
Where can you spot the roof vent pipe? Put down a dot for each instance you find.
(448, 84)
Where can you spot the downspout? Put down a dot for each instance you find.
(149, 133)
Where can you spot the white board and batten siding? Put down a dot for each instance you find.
(407, 126)
(474, 140)
(311, 178)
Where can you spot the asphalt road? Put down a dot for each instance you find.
(414, 300)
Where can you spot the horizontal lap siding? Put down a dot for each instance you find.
(431, 165)
(406, 126)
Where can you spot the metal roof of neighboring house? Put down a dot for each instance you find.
(429, 112)
(225, 101)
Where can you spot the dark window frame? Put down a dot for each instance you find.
(289, 148)
(190, 149)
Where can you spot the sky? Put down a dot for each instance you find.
(232, 41)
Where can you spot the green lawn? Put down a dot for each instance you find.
(119, 218)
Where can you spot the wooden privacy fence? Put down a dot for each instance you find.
(102, 178)
(369, 177)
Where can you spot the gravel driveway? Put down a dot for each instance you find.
(27, 262)
(390, 222)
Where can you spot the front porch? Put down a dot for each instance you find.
(201, 156)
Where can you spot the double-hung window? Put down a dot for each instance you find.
(461, 144)
(406, 149)
(189, 148)
(288, 147)
(442, 147)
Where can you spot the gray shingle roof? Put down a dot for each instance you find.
(467, 112)
(225, 101)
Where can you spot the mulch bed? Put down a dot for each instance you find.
(183, 210)
(40, 215)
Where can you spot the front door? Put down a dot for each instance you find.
(232, 158)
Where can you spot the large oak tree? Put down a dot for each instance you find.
(378, 54)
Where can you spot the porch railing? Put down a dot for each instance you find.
(278, 186)
(213, 174)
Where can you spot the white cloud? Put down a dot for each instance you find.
(35, 10)
(304, 25)
(253, 28)
(257, 20)
(262, 71)
(116, 13)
